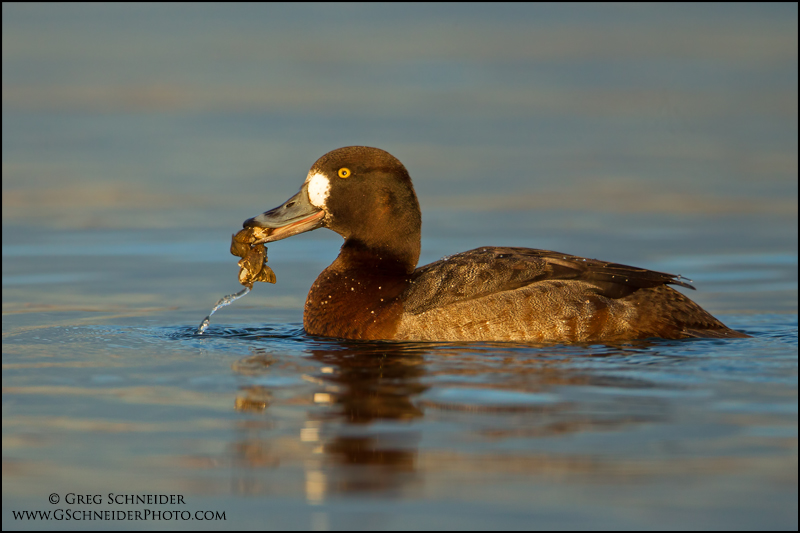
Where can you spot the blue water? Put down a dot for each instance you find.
(410, 432)
(137, 138)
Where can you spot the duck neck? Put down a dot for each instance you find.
(356, 254)
(358, 296)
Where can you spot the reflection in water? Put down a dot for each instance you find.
(254, 399)
(363, 402)
(512, 426)
(358, 385)
(373, 382)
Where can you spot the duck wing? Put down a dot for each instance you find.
(489, 270)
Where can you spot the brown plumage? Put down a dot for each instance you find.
(495, 293)
(373, 291)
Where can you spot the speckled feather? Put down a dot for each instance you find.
(482, 271)
(495, 293)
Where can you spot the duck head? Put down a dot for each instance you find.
(365, 195)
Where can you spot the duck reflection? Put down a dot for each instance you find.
(371, 388)
(361, 405)
(374, 382)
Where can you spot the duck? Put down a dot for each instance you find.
(374, 290)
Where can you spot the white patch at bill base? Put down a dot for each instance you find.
(318, 189)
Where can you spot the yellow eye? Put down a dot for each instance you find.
(344, 172)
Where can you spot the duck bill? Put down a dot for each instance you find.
(296, 215)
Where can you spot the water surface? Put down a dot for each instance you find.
(137, 138)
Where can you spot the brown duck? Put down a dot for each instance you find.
(373, 289)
